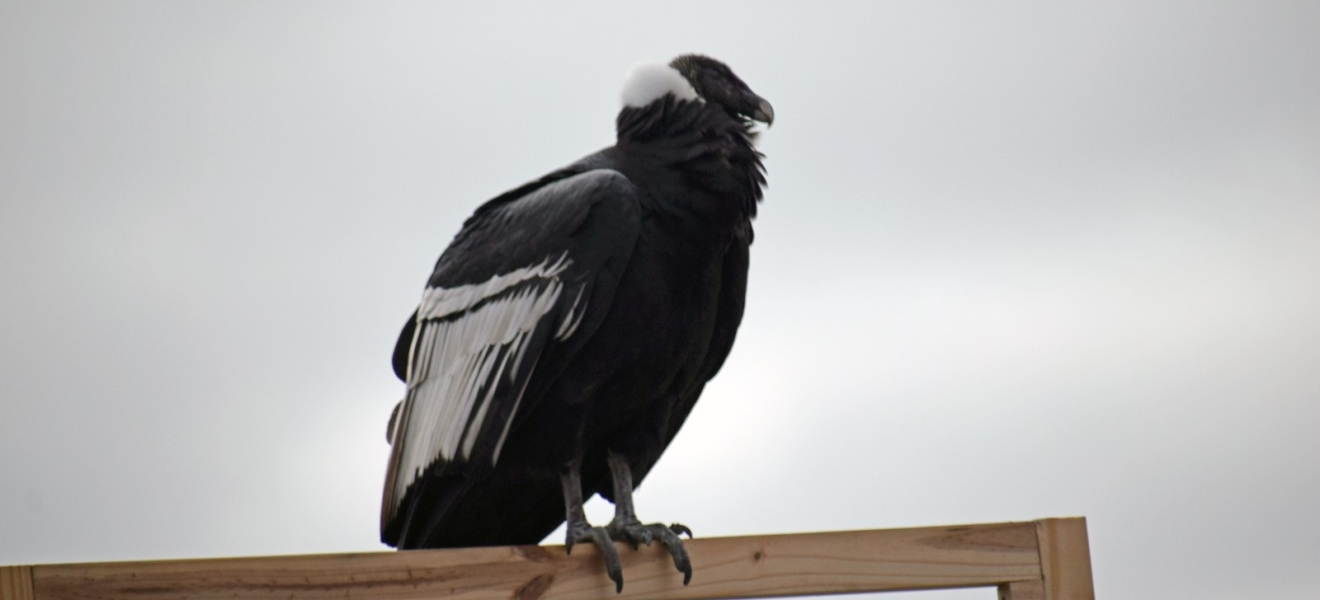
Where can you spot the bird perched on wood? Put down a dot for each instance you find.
(570, 326)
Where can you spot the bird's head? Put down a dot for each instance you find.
(692, 77)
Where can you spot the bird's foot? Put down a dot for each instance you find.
(600, 536)
(635, 533)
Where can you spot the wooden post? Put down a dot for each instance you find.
(1065, 564)
(1065, 559)
(1040, 560)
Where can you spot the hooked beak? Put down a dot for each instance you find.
(764, 112)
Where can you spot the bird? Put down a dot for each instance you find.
(572, 323)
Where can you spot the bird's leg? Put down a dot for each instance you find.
(626, 526)
(579, 530)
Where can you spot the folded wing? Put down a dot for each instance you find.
(529, 273)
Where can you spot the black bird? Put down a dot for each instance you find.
(570, 326)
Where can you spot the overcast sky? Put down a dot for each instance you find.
(1014, 261)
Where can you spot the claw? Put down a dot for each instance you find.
(681, 529)
(673, 543)
(601, 538)
(612, 564)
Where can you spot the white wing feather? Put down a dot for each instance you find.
(456, 365)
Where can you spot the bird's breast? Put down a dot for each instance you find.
(661, 322)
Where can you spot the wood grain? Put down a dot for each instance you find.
(743, 567)
(16, 583)
(1065, 558)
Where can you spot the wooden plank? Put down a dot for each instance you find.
(1065, 558)
(740, 567)
(16, 583)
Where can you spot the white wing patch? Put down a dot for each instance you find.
(457, 364)
(441, 302)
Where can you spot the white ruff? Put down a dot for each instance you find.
(648, 83)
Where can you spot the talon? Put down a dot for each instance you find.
(600, 536)
(668, 535)
(613, 567)
(681, 529)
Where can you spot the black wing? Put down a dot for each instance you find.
(516, 284)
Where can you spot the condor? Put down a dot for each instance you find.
(570, 326)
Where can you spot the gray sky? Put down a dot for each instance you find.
(1015, 261)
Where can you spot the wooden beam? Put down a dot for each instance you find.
(739, 567)
(1065, 559)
